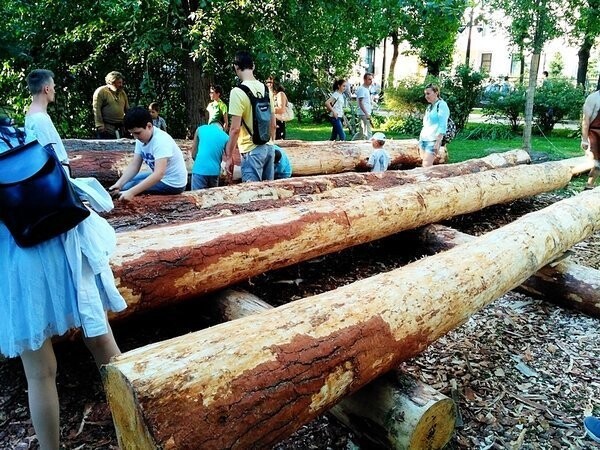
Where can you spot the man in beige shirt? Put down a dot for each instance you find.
(110, 105)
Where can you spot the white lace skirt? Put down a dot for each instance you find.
(62, 283)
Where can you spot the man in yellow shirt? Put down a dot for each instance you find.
(110, 105)
(257, 159)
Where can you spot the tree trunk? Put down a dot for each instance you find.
(161, 266)
(394, 60)
(251, 382)
(533, 71)
(307, 159)
(395, 411)
(240, 198)
(565, 283)
(197, 95)
(583, 59)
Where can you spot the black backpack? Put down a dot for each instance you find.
(10, 136)
(451, 129)
(261, 116)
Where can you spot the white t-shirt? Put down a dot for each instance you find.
(364, 94)
(338, 106)
(162, 145)
(379, 160)
(39, 126)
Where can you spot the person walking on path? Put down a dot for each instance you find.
(365, 107)
(335, 105)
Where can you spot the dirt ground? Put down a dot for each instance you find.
(524, 372)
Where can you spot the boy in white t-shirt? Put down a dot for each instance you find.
(159, 151)
(379, 159)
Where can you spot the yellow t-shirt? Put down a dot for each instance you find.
(239, 105)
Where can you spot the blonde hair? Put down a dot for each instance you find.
(434, 87)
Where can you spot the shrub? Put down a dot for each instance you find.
(556, 100)
(508, 107)
(407, 125)
(407, 96)
(487, 131)
(461, 91)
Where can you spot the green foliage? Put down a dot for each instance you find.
(509, 107)
(487, 132)
(556, 100)
(429, 27)
(405, 125)
(169, 51)
(461, 91)
(557, 64)
(406, 97)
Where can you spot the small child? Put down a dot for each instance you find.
(283, 166)
(217, 109)
(379, 159)
(157, 121)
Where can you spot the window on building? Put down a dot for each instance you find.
(370, 59)
(515, 65)
(486, 62)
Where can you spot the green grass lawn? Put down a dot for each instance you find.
(557, 146)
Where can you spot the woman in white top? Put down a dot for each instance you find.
(335, 105)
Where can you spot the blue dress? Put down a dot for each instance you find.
(59, 284)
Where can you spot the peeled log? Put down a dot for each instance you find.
(196, 205)
(565, 283)
(160, 266)
(251, 382)
(107, 166)
(394, 411)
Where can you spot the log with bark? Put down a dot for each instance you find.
(195, 205)
(170, 263)
(251, 382)
(394, 411)
(107, 166)
(564, 282)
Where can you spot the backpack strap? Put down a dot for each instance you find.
(252, 98)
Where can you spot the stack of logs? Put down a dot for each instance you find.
(251, 382)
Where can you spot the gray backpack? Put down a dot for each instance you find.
(261, 116)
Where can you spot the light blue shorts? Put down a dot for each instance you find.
(427, 146)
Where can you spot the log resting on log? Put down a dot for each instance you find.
(394, 411)
(565, 283)
(160, 266)
(146, 210)
(251, 382)
(107, 166)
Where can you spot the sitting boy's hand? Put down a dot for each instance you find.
(126, 196)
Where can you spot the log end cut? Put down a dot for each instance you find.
(435, 426)
(132, 431)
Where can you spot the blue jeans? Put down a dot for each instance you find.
(337, 130)
(258, 164)
(204, 181)
(159, 188)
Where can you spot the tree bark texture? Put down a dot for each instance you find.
(395, 411)
(171, 263)
(195, 205)
(307, 158)
(565, 283)
(251, 382)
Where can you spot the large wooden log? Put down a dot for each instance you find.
(156, 266)
(251, 382)
(310, 159)
(195, 205)
(394, 411)
(565, 283)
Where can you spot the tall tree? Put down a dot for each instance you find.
(585, 19)
(532, 23)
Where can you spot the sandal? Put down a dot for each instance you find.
(588, 188)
